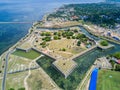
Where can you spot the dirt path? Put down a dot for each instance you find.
(29, 73)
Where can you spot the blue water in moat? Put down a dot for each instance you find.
(93, 81)
(25, 10)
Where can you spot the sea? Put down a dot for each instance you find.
(25, 11)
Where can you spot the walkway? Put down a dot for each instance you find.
(29, 73)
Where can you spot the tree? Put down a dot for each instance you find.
(47, 38)
(117, 68)
(68, 37)
(42, 34)
(75, 31)
(21, 89)
(43, 43)
(55, 33)
(63, 49)
(55, 37)
(47, 34)
(73, 37)
(104, 43)
(78, 43)
(117, 55)
(11, 89)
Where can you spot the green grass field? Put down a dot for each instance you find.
(32, 54)
(108, 80)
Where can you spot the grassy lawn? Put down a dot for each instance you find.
(40, 82)
(30, 55)
(15, 81)
(68, 44)
(16, 61)
(108, 80)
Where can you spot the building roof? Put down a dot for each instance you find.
(118, 61)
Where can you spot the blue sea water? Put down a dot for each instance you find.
(25, 11)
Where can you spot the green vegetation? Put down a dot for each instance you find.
(32, 54)
(21, 89)
(44, 44)
(47, 38)
(35, 82)
(101, 14)
(45, 34)
(78, 43)
(11, 89)
(104, 43)
(112, 63)
(75, 77)
(117, 55)
(108, 80)
(117, 67)
(63, 49)
(15, 81)
(56, 37)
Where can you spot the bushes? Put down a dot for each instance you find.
(47, 38)
(117, 68)
(57, 37)
(43, 44)
(21, 89)
(45, 34)
(78, 43)
(11, 89)
(104, 43)
(63, 49)
(117, 55)
(112, 63)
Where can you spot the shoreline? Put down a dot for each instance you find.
(18, 42)
(30, 32)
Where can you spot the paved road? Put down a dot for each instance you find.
(5, 70)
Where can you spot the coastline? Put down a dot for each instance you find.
(31, 30)
(19, 42)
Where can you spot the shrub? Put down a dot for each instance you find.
(21, 89)
(63, 49)
(104, 43)
(43, 43)
(47, 39)
(117, 68)
(42, 34)
(11, 89)
(55, 37)
(117, 55)
(73, 37)
(68, 37)
(78, 43)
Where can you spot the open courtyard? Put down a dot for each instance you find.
(32, 54)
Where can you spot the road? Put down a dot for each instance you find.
(5, 70)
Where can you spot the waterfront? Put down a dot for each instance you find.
(24, 11)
